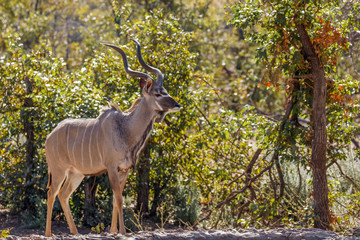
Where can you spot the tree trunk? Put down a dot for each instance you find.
(27, 115)
(143, 178)
(90, 209)
(157, 201)
(318, 157)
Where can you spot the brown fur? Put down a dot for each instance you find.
(135, 103)
(114, 106)
(49, 181)
(117, 108)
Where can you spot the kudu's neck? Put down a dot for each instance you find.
(139, 119)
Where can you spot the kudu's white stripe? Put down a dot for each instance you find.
(158, 105)
(74, 144)
(97, 144)
(57, 146)
(82, 145)
(90, 155)
(103, 149)
(67, 140)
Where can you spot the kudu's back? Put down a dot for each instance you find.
(80, 144)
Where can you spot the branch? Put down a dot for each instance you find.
(356, 143)
(236, 179)
(276, 117)
(273, 184)
(281, 177)
(212, 88)
(296, 195)
(202, 114)
(308, 48)
(346, 176)
(300, 180)
(252, 162)
(248, 180)
(306, 76)
(261, 173)
(247, 173)
(330, 164)
(218, 220)
(231, 196)
(246, 204)
(202, 219)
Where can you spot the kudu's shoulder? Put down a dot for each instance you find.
(108, 111)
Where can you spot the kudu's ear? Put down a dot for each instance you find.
(145, 84)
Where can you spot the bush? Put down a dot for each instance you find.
(186, 204)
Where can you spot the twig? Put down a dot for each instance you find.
(246, 204)
(273, 184)
(202, 114)
(281, 178)
(218, 220)
(236, 179)
(93, 185)
(209, 211)
(215, 90)
(248, 180)
(346, 176)
(189, 227)
(294, 193)
(300, 180)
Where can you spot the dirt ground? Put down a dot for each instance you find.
(60, 231)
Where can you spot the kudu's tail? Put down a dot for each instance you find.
(49, 181)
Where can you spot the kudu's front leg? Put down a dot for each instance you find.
(115, 215)
(117, 182)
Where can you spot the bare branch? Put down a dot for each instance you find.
(236, 179)
(306, 76)
(300, 180)
(281, 178)
(356, 143)
(248, 180)
(347, 177)
(209, 211)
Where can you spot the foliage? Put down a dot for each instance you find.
(187, 207)
(100, 227)
(4, 233)
(228, 158)
(24, 79)
(274, 26)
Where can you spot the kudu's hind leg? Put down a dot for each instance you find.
(73, 180)
(54, 186)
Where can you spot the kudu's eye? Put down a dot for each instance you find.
(157, 95)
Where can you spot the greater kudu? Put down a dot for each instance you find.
(111, 143)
